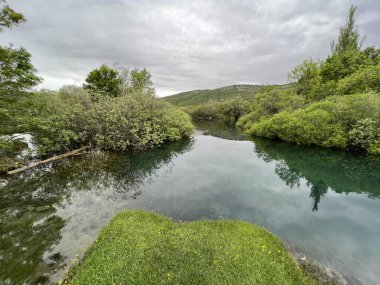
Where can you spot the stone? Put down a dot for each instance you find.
(43, 208)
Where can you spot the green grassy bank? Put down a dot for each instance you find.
(139, 247)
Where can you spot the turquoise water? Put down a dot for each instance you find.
(324, 202)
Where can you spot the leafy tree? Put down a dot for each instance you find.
(9, 17)
(104, 80)
(341, 65)
(307, 76)
(16, 70)
(349, 37)
(140, 80)
(346, 55)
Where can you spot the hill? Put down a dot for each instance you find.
(244, 91)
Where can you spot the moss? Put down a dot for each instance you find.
(139, 247)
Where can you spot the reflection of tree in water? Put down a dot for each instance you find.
(29, 226)
(323, 169)
(220, 129)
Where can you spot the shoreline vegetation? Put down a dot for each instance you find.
(333, 103)
(115, 109)
(139, 247)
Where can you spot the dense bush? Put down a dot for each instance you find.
(339, 121)
(227, 110)
(364, 79)
(204, 111)
(71, 118)
(336, 101)
(268, 104)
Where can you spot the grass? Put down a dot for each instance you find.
(244, 91)
(140, 247)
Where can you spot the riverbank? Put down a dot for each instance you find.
(156, 250)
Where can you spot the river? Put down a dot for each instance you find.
(324, 202)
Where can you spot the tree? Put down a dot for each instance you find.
(16, 70)
(307, 76)
(104, 80)
(346, 57)
(341, 65)
(9, 17)
(349, 37)
(140, 80)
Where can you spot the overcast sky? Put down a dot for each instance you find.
(186, 45)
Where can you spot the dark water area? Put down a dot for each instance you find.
(326, 202)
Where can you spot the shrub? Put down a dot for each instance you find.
(362, 80)
(229, 110)
(365, 134)
(70, 118)
(268, 104)
(339, 121)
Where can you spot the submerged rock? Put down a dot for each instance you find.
(30, 208)
(43, 208)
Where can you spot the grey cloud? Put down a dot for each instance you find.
(186, 45)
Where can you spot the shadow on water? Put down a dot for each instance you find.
(29, 224)
(323, 169)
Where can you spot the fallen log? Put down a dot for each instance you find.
(54, 158)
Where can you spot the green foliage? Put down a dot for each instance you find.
(268, 104)
(9, 149)
(349, 37)
(310, 126)
(9, 17)
(104, 80)
(233, 109)
(339, 66)
(138, 247)
(307, 77)
(326, 117)
(17, 73)
(118, 81)
(71, 118)
(365, 79)
(206, 111)
(334, 122)
(365, 134)
(140, 81)
(229, 110)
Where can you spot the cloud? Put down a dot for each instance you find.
(186, 45)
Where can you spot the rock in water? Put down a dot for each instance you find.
(43, 208)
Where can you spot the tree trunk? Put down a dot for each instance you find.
(54, 158)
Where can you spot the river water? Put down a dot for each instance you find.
(324, 202)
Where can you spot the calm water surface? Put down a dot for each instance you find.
(324, 202)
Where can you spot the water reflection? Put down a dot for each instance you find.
(220, 129)
(323, 169)
(31, 203)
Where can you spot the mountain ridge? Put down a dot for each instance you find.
(244, 91)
